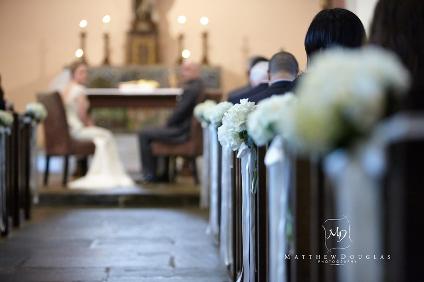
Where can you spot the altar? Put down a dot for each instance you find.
(139, 98)
(129, 109)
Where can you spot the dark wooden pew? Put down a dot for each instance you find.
(18, 146)
(4, 220)
(261, 217)
(237, 219)
(403, 196)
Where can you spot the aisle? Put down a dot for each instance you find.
(111, 245)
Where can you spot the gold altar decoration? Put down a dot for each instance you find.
(142, 42)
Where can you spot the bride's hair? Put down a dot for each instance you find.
(74, 66)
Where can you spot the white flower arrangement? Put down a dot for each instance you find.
(233, 131)
(6, 119)
(199, 111)
(215, 114)
(343, 96)
(36, 111)
(270, 118)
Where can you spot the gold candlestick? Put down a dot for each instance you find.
(180, 48)
(106, 39)
(204, 21)
(326, 4)
(205, 48)
(83, 37)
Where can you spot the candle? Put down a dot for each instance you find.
(106, 20)
(79, 53)
(83, 24)
(186, 54)
(204, 21)
(182, 20)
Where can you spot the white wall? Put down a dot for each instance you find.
(364, 9)
(39, 37)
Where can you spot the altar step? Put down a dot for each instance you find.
(183, 193)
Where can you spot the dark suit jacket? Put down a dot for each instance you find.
(183, 112)
(249, 93)
(236, 92)
(2, 101)
(277, 88)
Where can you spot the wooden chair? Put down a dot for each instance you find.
(58, 141)
(190, 149)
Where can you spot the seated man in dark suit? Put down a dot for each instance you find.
(177, 128)
(283, 70)
(258, 79)
(2, 99)
(232, 95)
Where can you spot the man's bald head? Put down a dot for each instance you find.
(190, 71)
(283, 64)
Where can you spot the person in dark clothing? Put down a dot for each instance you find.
(177, 128)
(2, 99)
(397, 26)
(234, 94)
(258, 79)
(283, 70)
(334, 27)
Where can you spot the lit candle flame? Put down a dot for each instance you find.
(79, 53)
(83, 24)
(106, 19)
(182, 19)
(186, 54)
(204, 21)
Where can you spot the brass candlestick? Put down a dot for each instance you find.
(326, 4)
(106, 40)
(83, 37)
(205, 48)
(180, 48)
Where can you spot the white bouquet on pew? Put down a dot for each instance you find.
(6, 119)
(233, 131)
(215, 114)
(37, 111)
(342, 97)
(270, 118)
(200, 109)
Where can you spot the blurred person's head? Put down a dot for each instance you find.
(334, 27)
(283, 65)
(259, 73)
(190, 71)
(79, 72)
(253, 61)
(399, 26)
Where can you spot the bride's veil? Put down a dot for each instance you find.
(60, 81)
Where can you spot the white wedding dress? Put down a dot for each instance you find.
(106, 170)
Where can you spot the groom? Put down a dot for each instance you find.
(177, 127)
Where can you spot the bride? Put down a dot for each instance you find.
(106, 170)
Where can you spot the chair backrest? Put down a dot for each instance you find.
(196, 132)
(56, 131)
(196, 137)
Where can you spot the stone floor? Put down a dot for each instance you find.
(111, 245)
(181, 193)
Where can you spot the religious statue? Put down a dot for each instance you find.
(145, 10)
(143, 43)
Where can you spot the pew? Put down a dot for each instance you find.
(237, 219)
(4, 220)
(403, 196)
(17, 145)
(261, 217)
